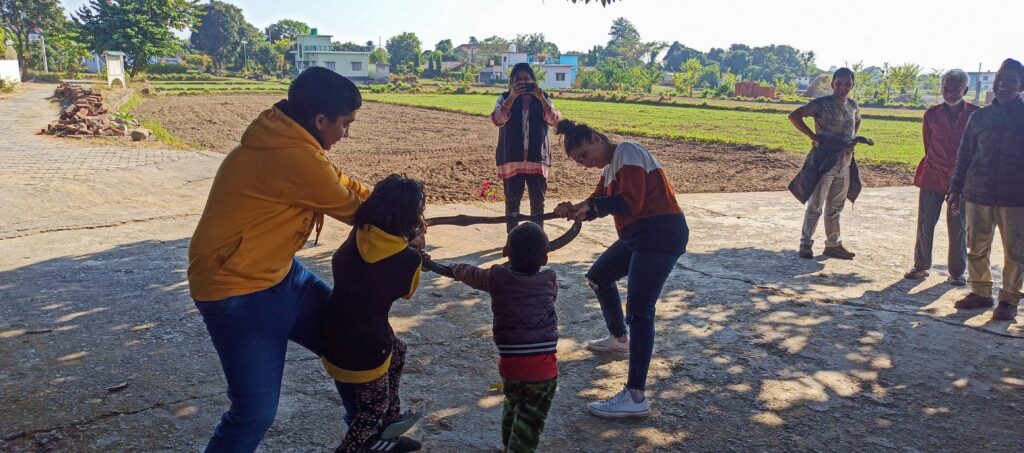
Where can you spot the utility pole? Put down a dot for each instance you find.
(42, 41)
(245, 55)
(977, 89)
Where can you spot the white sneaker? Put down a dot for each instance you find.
(610, 344)
(620, 406)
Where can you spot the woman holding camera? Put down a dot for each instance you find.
(523, 155)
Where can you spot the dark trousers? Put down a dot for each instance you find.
(523, 413)
(929, 206)
(377, 402)
(251, 333)
(514, 187)
(647, 273)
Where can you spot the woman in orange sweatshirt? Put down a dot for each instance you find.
(268, 196)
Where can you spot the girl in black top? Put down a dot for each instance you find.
(378, 264)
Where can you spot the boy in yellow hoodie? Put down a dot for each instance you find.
(268, 196)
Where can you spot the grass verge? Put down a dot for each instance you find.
(160, 133)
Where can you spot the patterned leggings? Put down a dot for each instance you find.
(524, 412)
(376, 402)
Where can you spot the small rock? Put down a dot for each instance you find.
(140, 134)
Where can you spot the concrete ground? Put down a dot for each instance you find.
(757, 350)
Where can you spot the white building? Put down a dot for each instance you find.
(557, 76)
(986, 79)
(315, 50)
(512, 58)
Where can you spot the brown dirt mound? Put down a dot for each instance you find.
(454, 153)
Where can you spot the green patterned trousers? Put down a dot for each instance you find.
(523, 413)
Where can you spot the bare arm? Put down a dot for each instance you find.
(797, 118)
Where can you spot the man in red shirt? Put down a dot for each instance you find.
(943, 126)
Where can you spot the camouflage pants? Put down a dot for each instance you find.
(523, 413)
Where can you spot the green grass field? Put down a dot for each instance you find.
(897, 142)
(219, 86)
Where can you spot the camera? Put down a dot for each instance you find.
(529, 87)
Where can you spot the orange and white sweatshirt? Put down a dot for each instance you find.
(635, 191)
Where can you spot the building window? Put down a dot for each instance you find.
(357, 66)
(560, 76)
(330, 65)
(985, 78)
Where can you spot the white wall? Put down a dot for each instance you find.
(343, 62)
(9, 70)
(551, 79)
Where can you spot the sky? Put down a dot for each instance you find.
(938, 34)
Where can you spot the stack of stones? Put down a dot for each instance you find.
(84, 115)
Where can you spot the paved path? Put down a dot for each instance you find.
(757, 350)
(30, 159)
(51, 184)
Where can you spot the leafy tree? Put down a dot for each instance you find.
(625, 41)
(594, 55)
(348, 46)
(539, 73)
(469, 72)
(219, 31)
(445, 46)
(66, 51)
(286, 29)
(370, 46)
(728, 86)
(379, 56)
(200, 61)
(591, 79)
(535, 43)
(404, 52)
(491, 49)
(21, 17)
(736, 61)
(904, 77)
(678, 54)
(709, 76)
(139, 28)
(687, 77)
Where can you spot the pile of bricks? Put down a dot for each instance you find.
(84, 115)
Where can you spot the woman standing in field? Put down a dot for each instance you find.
(652, 235)
(523, 155)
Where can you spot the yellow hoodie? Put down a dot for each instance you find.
(266, 199)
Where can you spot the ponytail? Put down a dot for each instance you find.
(575, 134)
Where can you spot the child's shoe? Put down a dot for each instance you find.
(610, 344)
(397, 445)
(400, 426)
(620, 406)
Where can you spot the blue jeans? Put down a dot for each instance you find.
(929, 206)
(251, 333)
(647, 273)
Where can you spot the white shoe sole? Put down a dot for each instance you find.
(599, 348)
(603, 414)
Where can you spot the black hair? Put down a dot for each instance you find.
(319, 90)
(843, 72)
(520, 67)
(1013, 65)
(527, 247)
(395, 206)
(575, 134)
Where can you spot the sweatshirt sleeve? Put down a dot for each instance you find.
(964, 157)
(321, 187)
(629, 199)
(499, 116)
(473, 276)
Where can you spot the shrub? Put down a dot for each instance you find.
(45, 78)
(7, 85)
(189, 77)
(167, 69)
